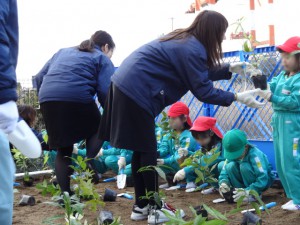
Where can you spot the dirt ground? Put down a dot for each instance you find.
(42, 213)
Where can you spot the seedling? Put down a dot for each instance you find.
(47, 188)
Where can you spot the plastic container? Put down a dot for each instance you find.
(201, 211)
(251, 219)
(229, 196)
(29, 182)
(260, 81)
(109, 195)
(106, 217)
(27, 200)
(170, 178)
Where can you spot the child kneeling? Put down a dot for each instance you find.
(246, 167)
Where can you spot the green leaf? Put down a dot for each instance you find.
(212, 158)
(216, 222)
(234, 211)
(256, 207)
(214, 213)
(200, 174)
(160, 172)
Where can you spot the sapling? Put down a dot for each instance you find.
(47, 188)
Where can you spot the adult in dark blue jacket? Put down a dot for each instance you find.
(157, 75)
(8, 108)
(67, 85)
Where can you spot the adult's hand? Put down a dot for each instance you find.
(9, 116)
(248, 98)
(244, 67)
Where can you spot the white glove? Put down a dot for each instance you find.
(75, 149)
(180, 175)
(9, 116)
(265, 94)
(182, 152)
(240, 192)
(224, 188)
(122, 163)
(160, 162)
(242, 67)
(252, 72)
(100, 153)
(248, 98)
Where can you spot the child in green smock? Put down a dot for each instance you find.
(284, 94)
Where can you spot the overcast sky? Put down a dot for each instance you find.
(48, 25)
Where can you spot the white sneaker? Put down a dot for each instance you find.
(164, 186)
(158, 216)
(286, 204)
(139, 214)
(190, 185)
(292, 207)
(209, 191)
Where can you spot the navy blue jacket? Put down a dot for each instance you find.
(9, 37)
(160, 73)
(75, 76)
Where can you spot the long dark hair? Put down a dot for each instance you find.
(99, 38)
(209, 28)
(28, 114)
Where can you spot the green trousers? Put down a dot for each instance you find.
(286, 135)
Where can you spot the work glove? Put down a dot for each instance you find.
(9, 116)
(121, 163)
(253, 72)
(183, 152)
(160, 162)
(265, 94)
(248, 98)
(239, 193)
(180, 175)
(224, 188)
(244, 67)
(100, 153)
(75, 149)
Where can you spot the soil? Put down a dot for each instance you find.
(42, 213)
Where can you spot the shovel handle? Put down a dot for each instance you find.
(109, 179)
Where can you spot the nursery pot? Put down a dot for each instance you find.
(181, 160)
(106, 217)
(27, 200)
(109, 195)
(260, 81)
(201, 211)
(29, 182)
(229, 196)
(170, 177)
(251, 219)
(129, 181)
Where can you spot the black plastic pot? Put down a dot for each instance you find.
(106, 217)
(109, 195)
(260, 81)
(229, 196)
(251, 219)
(170, 177)
(129, 181)
(27, 200)
(29, 182)
(201, 211)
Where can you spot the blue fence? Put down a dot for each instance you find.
(255, 122)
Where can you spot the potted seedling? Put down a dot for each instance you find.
(248, 46)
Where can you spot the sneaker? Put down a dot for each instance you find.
(209, 191)
(157, 216)
(286, 204)
(190, 185)
(164, 186)
(139, 213)
(250, 199)
(292, 207)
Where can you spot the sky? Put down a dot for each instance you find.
(45, 26)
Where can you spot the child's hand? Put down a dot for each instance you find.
(224, 188)
(182, 152)
(160, 162)
(100, 153)
(239, 193)
(180, 175)
(265, 94)
(122, 163)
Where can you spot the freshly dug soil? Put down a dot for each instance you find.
(42, 213)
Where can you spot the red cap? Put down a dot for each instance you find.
(292, 45)
(203, 123)
(179, 109)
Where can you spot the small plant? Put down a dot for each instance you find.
(72, 206)
(117, 221)
(46, 188)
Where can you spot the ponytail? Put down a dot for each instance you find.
(86, 46)
(99, 38)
